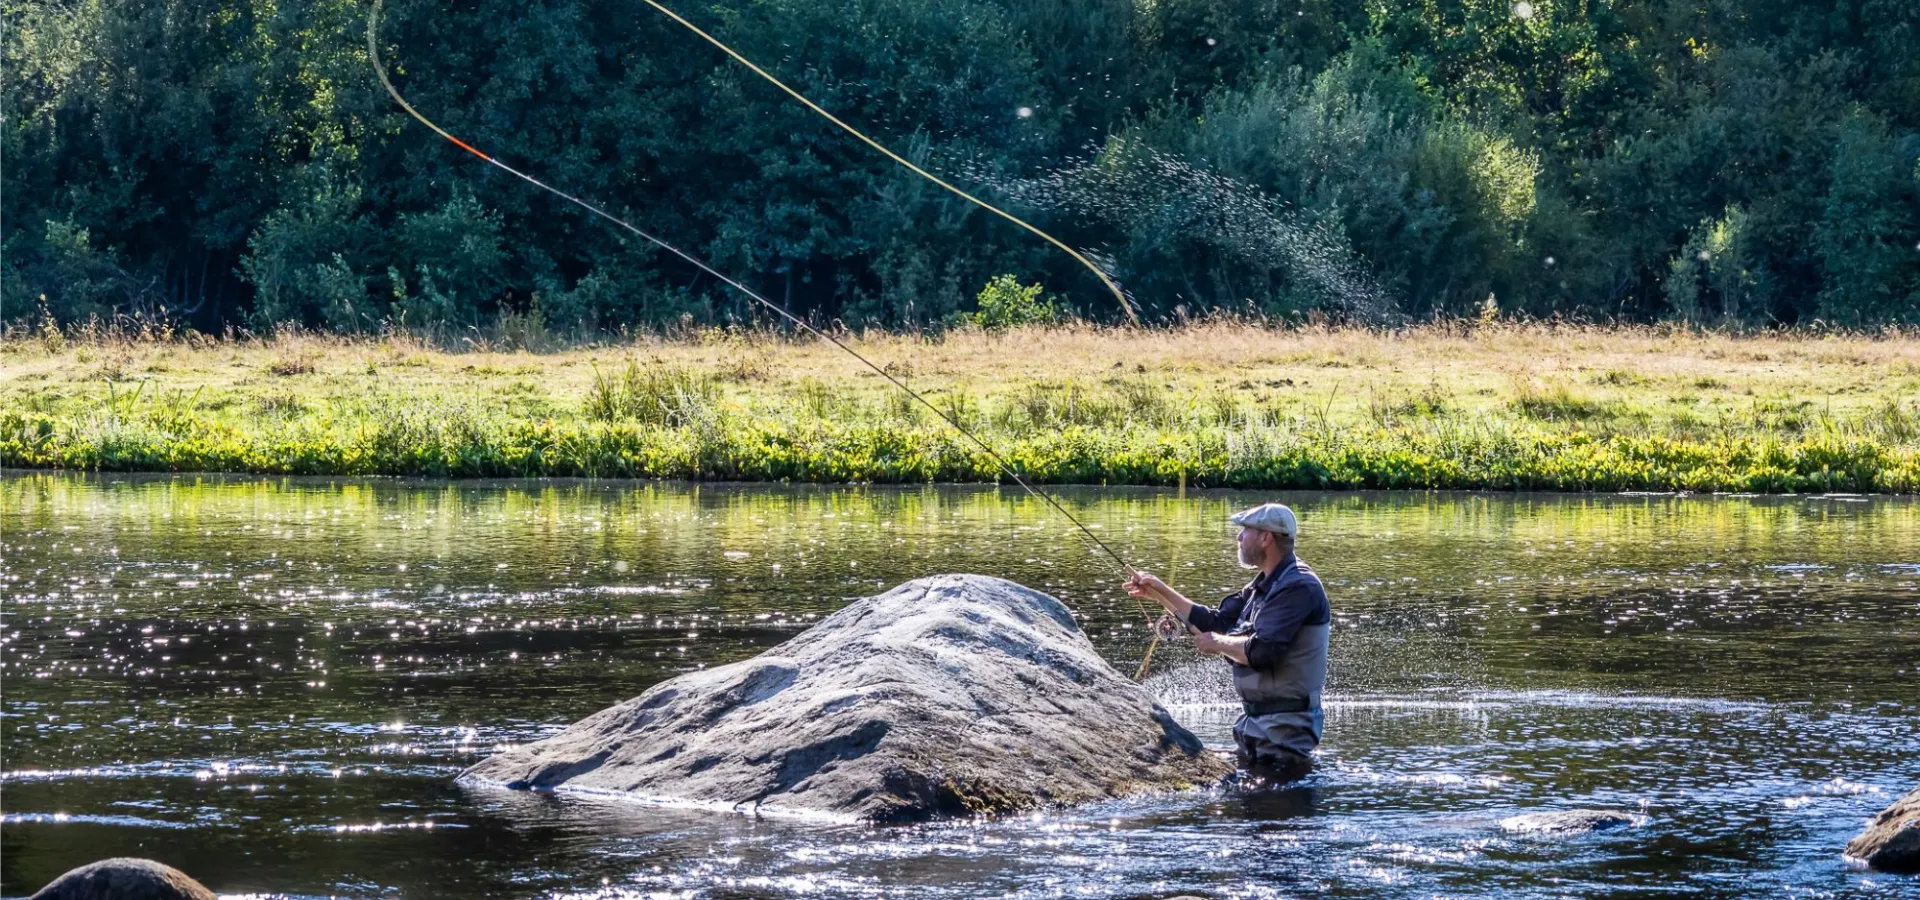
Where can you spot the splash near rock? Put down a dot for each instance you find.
(953, 695)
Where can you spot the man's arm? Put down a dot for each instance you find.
(1233, 647)
(1218, 621)
(1198, 617)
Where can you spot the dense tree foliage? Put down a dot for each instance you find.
(1721, 161)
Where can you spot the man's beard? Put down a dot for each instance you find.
(1247, 562)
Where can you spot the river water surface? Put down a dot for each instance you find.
(272, 683)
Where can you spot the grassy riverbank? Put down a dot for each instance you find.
(1520, 407)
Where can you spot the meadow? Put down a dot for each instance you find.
(1468, 405)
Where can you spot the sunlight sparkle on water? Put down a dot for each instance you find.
(1486, 664)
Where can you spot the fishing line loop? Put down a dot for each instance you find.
(373, 55)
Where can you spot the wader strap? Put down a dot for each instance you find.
(1282, 705)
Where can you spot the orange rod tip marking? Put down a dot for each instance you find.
(469, 148)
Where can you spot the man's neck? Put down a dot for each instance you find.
(1274, 563)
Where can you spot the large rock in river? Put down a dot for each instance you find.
(946, 696)
(1891, 842)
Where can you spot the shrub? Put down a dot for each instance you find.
(1006, 303)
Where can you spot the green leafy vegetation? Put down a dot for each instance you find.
(1214, 405)
(1005, 302)
(237, 165)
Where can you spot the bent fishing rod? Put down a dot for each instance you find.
(373, 55)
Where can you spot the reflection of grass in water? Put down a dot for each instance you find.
(1213, 405)
(1444, 631)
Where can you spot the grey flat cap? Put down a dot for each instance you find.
(1274, 517)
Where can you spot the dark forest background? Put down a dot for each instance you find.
(237, 163)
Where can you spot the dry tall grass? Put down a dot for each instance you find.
(1664, 377)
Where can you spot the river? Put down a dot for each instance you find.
(271, 684)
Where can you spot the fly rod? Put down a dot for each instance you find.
(373, 54)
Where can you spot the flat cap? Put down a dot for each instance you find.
(1274, 517)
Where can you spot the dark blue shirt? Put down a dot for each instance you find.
(1272, 609)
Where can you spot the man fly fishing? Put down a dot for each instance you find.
(1274, 633)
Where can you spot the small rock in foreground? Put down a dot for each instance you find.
(124, 878)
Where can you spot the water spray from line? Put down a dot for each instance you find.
(1128, 184)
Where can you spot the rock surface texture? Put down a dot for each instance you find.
(1891, 842)
(952, 695)
(124, 878)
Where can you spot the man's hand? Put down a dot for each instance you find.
(1146, 584)
(1233, 648)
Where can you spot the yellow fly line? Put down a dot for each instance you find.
(373, 55)
(1119, 295)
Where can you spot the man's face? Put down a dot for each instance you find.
(1253, 548)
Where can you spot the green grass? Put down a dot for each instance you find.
(1209, 406)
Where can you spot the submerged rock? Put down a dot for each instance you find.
(1570, 821)
(1891, 842)
(124, 878)
(946, 696)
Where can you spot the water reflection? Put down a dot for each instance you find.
(270, 683)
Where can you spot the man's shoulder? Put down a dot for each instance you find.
(1303, 584)
(1302, 572)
